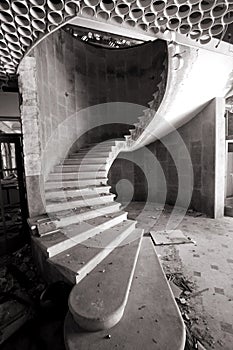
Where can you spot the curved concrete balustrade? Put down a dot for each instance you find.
(195, 77)
(26, 22)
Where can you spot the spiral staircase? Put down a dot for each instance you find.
(86, 239)
(120, 296)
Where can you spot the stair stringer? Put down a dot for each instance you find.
(195, 77)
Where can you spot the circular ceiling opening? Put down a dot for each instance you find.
(102, 39)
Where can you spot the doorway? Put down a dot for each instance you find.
(13, 200)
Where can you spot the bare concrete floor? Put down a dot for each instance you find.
(208, 264)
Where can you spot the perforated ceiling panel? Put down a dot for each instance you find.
(23, 22)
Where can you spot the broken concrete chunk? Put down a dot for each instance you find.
(175, 289)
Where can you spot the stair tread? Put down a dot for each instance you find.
(75, 216)
(55, 221)
(86, 188)
(83, 203)
(77, 180)
(79, 260)
(82, 155)
(77, 199)
(106, 142)
(93, 160)
(92, 151)
(77, 184)
(96, 148)
(76, 211)
(151, 319)
(104, 303)
(74, 232)
(79, 165)
(71, 173)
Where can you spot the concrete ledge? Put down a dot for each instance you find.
(151, 319)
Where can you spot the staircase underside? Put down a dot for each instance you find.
(194, 77)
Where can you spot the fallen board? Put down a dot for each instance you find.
(168, 237)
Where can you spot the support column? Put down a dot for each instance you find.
(31, 136)
(220, 157)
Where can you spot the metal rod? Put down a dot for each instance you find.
(3, 215)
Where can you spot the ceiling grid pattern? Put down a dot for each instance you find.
(24, 22)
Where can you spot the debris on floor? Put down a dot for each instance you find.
(13, 314)
(184, 284)
(200, 346)
(186, 302)
(29, 314)
(192, 342)
(175, 289)
(197, 293)
(168, 237)
(182, 290)
(207, 265)
(194, 213)
(18, 274)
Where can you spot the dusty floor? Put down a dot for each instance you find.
(208, 265)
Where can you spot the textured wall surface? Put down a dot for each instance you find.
(61, 86)
(72, 76)
(134, 186)
(201, 141)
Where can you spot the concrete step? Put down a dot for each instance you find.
(77, 175)
(89, 160)
(81, 155)
(97, 148)
(59, 204)
(151, 319)
(104, 143)
(61, 193)
(80, 183)
(70, 217)
(79, 167)
(75, 263)
(66, 238)
(103, 305)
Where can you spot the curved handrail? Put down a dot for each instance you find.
(195, 77)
